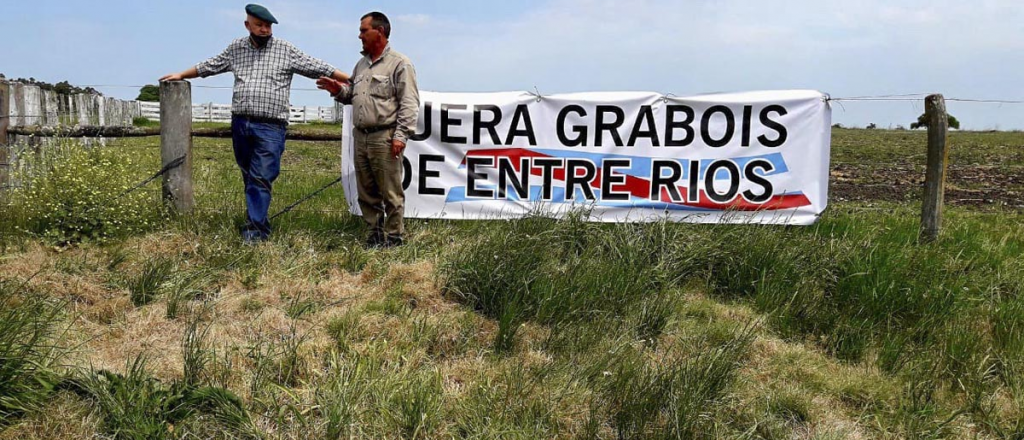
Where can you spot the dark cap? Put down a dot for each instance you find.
(260, 12)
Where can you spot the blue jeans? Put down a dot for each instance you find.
(258, 147)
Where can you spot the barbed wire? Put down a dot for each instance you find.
(897, 165)
(76, 119)
(841, 206)
(58, 115)
(897, 95)
(215, 210)
(848, 206)
(878, 185)
(886, 97)
(170, 166)
(229, 168)
(873, 99)
(986, 101)
(198, 86)
(304, 199)
(917, 97)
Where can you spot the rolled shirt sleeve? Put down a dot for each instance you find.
(216, 65)
(307, 66)
(408, 96)
(344, 95)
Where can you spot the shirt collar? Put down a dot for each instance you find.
(252, 44)
(383, 54)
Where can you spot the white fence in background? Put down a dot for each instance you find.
(210, 112)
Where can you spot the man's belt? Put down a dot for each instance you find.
(262, 119)
(371, 130)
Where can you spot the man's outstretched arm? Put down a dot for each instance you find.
(213, 66)
(313, 68)
(340, 76)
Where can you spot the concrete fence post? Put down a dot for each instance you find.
(935, 174)
(176, 142)
(5, 154)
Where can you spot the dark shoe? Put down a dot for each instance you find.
(253, 237)
(393, 241)
(375, 241)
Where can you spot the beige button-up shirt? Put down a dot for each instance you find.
(382, 93)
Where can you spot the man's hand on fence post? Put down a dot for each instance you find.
(189, 73)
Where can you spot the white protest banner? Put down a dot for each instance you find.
(759, 157)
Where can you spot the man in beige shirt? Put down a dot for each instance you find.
(385, 107)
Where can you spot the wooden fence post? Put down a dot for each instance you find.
(935, 174)
(176, 143)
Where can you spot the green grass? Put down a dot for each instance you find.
(857, 146)
(141, 121)
(30, 349)
(144, 287)
(136, 406)
(534, 328)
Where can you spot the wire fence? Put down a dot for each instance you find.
(316, 191)
(897, 97)
(307, 187)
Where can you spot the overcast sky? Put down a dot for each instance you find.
(963, 49)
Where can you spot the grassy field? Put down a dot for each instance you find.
(120, 321)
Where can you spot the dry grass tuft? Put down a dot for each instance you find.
(65, 417)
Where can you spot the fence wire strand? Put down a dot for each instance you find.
(166, 168)
(892, 97)
(304, 199)
(197, 86)
(296, 206)
(917, 97)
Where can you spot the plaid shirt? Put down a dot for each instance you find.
(263, 76)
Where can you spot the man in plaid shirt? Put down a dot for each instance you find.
(263, 68)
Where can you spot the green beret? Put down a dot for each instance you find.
(260, 12)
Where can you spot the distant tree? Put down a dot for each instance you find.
(837, 125)
(149, 93)
(871, 126)
(63, 87)
(922, 122)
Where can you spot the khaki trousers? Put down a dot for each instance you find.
(379, 180)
